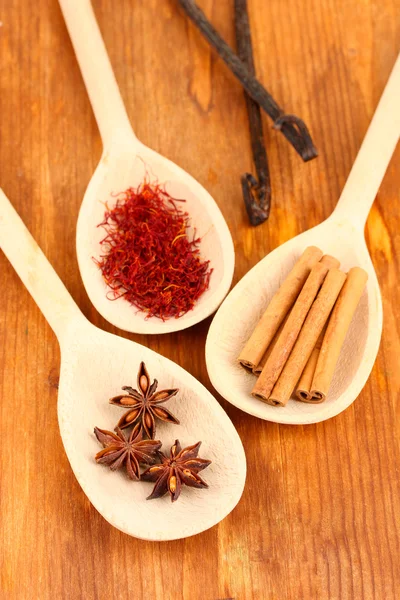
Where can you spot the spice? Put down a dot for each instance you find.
(182, 467)
(303, 387)
(257, 370)
(295, 346)
(256, 194)
(290, 332)
(278, 308)
(293, 128)
(119, 450)
(144, 404)
(338, 325)
(148, 257)
(309, 334)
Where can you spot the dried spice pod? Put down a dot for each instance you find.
(129, 451)
(292, 127)
(256, 191)
(181, 467)
(144, 404)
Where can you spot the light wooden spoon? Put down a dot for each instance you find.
(341, 235)
(124, 163)
(94, 366)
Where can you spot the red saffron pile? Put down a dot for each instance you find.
(148, 258)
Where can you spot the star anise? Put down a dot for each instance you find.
(182, 467)
(144, 404)
(119, 450)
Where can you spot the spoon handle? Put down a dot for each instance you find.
(373, 157)
(35, 271)
(96, 69)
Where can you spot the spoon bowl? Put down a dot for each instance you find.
(125, 163)
(341, 235)
(94, 367)
(247, 302)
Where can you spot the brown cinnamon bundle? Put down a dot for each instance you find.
(278, 308)
(304, 345)
(299, 337)
(290, 332)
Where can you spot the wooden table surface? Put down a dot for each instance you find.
(320, 514)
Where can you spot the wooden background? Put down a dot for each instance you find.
(320, 515)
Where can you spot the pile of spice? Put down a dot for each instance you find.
(140, 448)
(295, 346)
(148, 257)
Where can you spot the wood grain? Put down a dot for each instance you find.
(319, 518)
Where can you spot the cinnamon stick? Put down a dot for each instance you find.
(313, 325)
(257, 370)
(304, 385)
(337, 329)
(290, 332)
(278, 308)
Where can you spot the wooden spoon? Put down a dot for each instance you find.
(341, 235)
(94, 366)
(124, 163)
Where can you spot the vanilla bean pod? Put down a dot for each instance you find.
(256, 192)
(293, 128)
